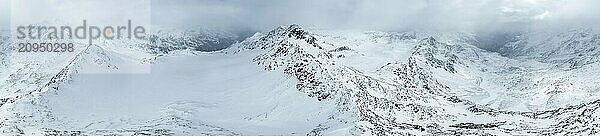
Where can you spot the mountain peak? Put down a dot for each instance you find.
(278, 36)
(428, 41)
(295, 31)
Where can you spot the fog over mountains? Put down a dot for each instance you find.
(492, 67)
(463, 15)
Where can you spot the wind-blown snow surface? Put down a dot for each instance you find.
(223, 90)
(293, 81)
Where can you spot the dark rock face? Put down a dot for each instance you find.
(305, 60)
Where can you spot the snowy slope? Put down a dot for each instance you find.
(296, 81)
(102, 91)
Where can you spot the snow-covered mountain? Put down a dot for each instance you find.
(296, 81)
(165, 39)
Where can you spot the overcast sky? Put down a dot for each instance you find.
(4, 12)
(453, 15)
(379, 14)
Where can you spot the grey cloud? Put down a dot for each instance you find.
(449, 15)
(452, 15)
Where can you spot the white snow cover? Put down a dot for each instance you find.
(295, 81)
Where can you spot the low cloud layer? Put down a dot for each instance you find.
(447, 15)
(451, 15)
